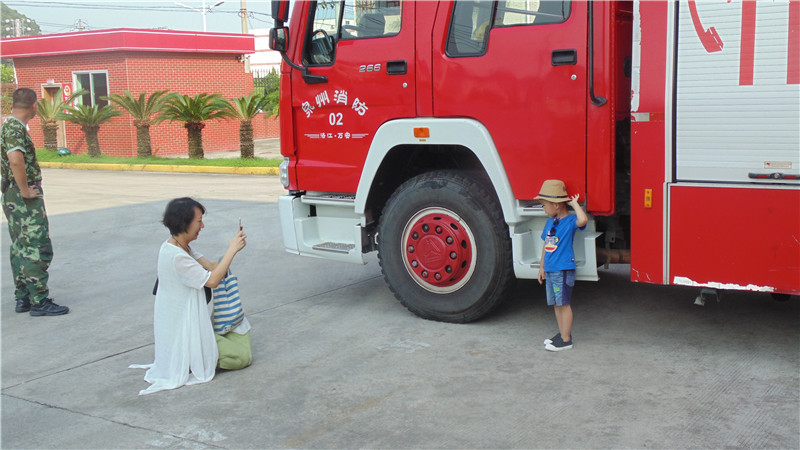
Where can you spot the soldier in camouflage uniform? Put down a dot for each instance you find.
(23, 205)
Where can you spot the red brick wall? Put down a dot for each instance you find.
(266, 127)
(184, 73)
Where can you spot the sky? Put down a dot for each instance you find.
(60, 16)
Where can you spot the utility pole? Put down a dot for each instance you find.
(78, 25)
(243, 15)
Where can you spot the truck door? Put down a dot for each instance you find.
(360, 56)
(519, 67)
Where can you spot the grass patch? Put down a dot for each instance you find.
(49, 156)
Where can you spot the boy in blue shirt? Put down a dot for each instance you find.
(557, 266)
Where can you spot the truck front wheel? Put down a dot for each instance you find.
(444, 247)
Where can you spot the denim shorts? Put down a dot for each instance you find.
(559, 287)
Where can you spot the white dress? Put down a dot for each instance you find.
(185, 347)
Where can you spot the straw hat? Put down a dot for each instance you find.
(553, 191)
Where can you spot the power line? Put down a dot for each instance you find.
(74, 7)
(93, 6)
(115, 7)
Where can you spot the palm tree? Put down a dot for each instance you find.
(245, 109)
(90, 118)
(193, 112)
(48, 113)
(145, 113)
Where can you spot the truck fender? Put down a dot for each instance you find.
(467, 133)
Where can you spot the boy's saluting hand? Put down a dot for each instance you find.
(583, 219)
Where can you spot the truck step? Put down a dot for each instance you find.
(330, 199)
(528, 209)
(335, 247)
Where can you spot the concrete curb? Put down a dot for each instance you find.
(163, 168)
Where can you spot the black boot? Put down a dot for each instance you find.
(47, 308)
(23, 305)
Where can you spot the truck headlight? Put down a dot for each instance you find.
(283, 171)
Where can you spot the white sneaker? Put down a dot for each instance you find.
(558, 344)
(550, 341)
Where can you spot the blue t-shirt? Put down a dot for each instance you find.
(558, 252)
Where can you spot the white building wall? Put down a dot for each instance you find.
(264, 59)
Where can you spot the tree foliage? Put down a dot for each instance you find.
(196, 109)
(90, 118)
(268, 86)
(271, 103)
(49, 112)
(146, 111)
(7, 88)
(6, 73)
(245, 109)
(9, 13)
(193, 111)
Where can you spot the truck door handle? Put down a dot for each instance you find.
(566, 57)
(398, 67)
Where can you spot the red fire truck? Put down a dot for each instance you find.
(424, 129)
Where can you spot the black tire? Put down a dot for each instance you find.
(780, 297)
(458, 268)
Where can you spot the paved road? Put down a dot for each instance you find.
(339, 363)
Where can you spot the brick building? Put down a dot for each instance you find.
(118, 60)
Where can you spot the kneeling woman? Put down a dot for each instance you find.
(185, 345)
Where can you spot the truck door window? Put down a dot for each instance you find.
(350, 19)
(472, 20)
(365, 19)
(531, 12)
(469, 28)
(321, 35)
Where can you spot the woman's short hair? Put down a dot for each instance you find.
(180, 213)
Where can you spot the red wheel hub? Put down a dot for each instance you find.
(438, 249)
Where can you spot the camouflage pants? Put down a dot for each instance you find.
(31, 249)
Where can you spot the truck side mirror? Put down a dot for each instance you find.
(278, 38)
(280, 10)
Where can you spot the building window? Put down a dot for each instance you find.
(96, 86)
